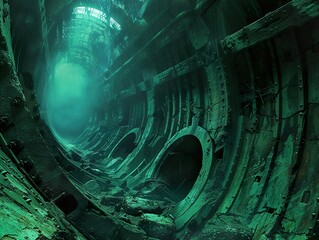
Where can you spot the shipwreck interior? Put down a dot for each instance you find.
(159, 119)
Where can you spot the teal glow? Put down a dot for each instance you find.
(72, 93)
(72, 96)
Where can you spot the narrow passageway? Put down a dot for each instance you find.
(159, 119)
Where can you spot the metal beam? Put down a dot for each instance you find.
(292, 14)
(178, 70)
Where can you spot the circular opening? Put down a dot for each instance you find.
(181, 165)
(125, 146)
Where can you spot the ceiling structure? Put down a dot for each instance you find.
(148, 119)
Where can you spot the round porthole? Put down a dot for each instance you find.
(126, 145)
(180, 166)
(184, 166)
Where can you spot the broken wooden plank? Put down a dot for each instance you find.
(292, 14)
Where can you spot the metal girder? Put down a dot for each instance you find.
(292, 14)
(189, 65)
(178, 70)
(200, 59)
(153, 39)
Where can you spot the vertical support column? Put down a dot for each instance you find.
(44, 28)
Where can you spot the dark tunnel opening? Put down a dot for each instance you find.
(67, 203)
(125, 146)
(180, 167)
